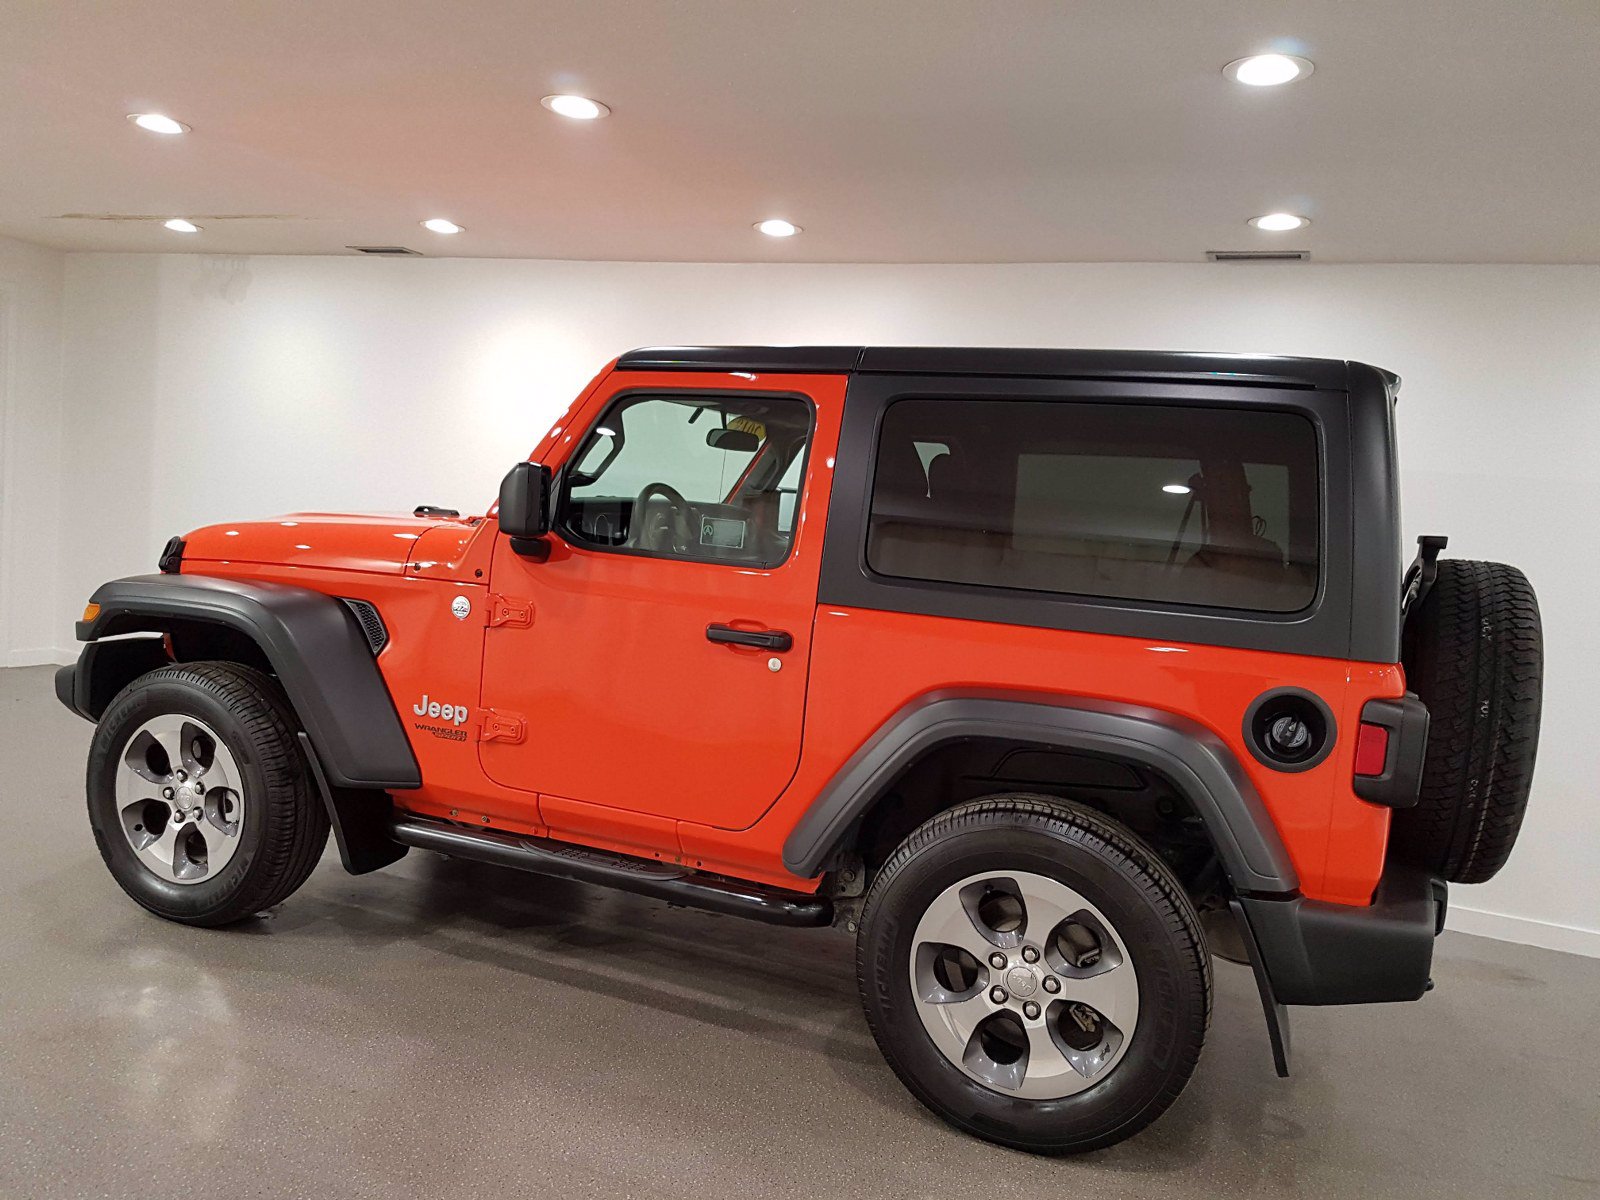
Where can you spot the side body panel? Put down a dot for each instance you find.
(870, 665)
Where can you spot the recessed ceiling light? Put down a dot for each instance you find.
(157, 123)
(1279, 222)
(579, 108)
(1268, 70)
(179, 225)
(1175, 489)
(440, 225)
(778, 227)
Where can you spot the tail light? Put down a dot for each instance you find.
(1390, 744)
(1372, 749)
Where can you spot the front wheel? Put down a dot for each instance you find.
(198, 796)
(1034, 974)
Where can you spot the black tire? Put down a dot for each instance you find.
(284, 827)
(1474, 653)
(1108, 866)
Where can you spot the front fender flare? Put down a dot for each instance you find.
(312, 642)
(1189, 756)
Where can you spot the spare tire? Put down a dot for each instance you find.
(1474, 653)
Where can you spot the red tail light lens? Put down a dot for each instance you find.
(1372, 749)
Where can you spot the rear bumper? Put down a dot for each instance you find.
(1319, 953)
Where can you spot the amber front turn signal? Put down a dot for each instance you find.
(91, 611)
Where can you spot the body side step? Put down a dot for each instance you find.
(676, 885)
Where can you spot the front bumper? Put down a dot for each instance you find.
(1313, 952)
(67, 688)
(89, 685)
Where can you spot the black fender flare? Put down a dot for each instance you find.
(312, 641)
(1188, 755)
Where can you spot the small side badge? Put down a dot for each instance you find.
(461, 607)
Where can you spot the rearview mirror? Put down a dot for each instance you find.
(524, 512)
(733, 439)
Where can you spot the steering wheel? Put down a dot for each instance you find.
(666, 532)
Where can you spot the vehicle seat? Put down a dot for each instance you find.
(931, 524)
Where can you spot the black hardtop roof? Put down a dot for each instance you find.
(1260, 369)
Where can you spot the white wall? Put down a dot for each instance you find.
(30, 450)
(198, 389)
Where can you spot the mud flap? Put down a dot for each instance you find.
(1276, 1014)
(360, 820)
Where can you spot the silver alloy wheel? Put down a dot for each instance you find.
(180, 798)
(1023, 984)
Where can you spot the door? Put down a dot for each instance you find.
(661, 671)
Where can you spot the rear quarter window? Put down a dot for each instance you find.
(1207, 506)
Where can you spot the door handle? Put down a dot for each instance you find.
(766, 639)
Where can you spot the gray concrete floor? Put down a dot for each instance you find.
(444, 1029)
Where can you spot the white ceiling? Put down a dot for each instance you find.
(892, 130)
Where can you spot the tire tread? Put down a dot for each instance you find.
(1475, 657)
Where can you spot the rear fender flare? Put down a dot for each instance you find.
(1189, 756)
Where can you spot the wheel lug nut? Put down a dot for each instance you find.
(182, 776)
(167, 793)
(1029, 954)
(998, 995)
(200, 789)
(1052, 984)
(1031, 1011)
(997, 961)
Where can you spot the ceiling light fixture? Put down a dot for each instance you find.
(179, 225)
(440, 225)
(777, 227)
(1280, 222)
(1268, 70)
(579, 108)
(1176, 489)
(157, 123)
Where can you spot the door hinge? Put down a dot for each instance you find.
(500, 726)
(508, 610)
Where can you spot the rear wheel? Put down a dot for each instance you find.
(198, 795)
(1034, 974)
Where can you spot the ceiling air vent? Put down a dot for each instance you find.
(388, 251)
(1259, 255)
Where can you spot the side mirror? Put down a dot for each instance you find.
(524, 513)
(733, 439)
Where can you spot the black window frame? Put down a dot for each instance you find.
(1357, 522)
(560, 485)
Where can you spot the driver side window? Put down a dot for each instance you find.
(702, 477)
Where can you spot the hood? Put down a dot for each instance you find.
(337, 541)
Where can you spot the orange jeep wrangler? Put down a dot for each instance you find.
(1045, 673)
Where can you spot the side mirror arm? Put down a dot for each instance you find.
(536, 548)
